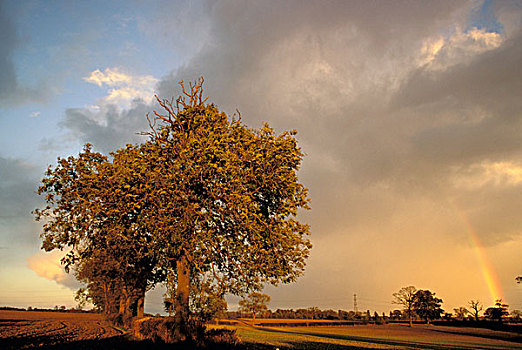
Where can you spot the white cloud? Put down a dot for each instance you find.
(502, 173)
(47, 265)
(439, 53)
(123, 88)
(111, 77)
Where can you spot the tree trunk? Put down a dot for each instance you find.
(181, 318)
(106, 307)
(125, 304)
(123, 296)
(140, 304)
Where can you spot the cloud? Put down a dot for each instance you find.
(385, 101)
(387, 104)
(439, 53)
(123, 88)
(108, 127)
(117, 119)
(409, 123)
(18, 183)
(12, 93)
(47, 265)
(17, 187)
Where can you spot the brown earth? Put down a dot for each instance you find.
(38, 329)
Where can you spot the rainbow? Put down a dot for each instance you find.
(488, 272)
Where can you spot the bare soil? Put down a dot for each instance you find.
(38, 329)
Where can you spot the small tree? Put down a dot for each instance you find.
(427, 305)
(255, 304)
(461, 312)
(406, 297)
(497, 312)
(476, 306)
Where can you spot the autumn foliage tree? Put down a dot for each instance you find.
(226, 199)
(206, 198)
(96, 209)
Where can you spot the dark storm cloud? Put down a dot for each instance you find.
(12, 93)
(382, 131)
(18, 183)
(108, 128)
(8, 41)
(378, 127)
(17, 190)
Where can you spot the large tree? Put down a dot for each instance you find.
(204, 199)
(406, 297)
(427, 305)
(226, 199)
(96, 208)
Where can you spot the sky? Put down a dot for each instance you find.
(409, 113)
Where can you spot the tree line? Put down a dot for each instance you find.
(425, 305)
(417, 304)
(206, 205)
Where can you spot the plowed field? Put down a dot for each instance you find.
(33, 329)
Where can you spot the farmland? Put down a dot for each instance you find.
(391, 336)
(57, 330)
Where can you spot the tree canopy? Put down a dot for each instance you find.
(427, 305)
(497, 312)
(205, 198)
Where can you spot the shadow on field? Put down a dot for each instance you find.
(370, 341)
(115, 343)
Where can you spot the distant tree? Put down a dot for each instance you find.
(497, 312)
(516, 315)
(476, 307)
(406, 297)
(461, 312)
(396, 315)
(255, 303)
(427, 305)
